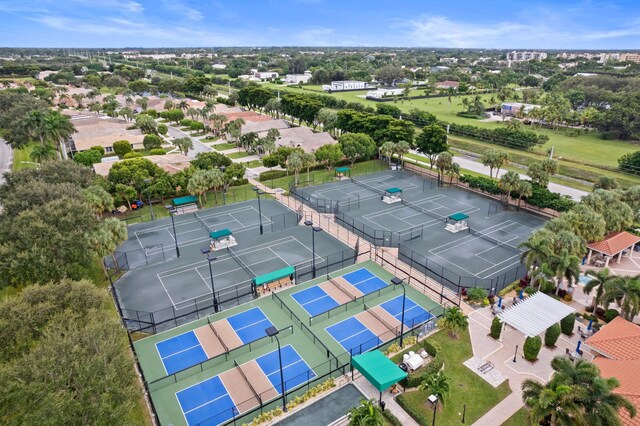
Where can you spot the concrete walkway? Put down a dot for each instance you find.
(501, 353)
(469, 164)
(198, 146)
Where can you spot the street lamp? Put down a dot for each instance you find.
(149, 197)
(173, 211)
(259, 193)
(398, 281)
(314, 229)
(515, 354)
(273, 332)
(434, 401)
(210, 258)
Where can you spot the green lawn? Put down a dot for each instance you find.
(253, 163)
(466, 386)
(324, 175)
(21, 159)
(224, 146)
(520, 418)
(240, 154)
(585, 148)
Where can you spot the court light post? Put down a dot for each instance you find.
(314, 229)
(259, 193)
(515, 354)
(273, 332)
(149, 197)
(210, 258)
(173, 211)
(399, 281)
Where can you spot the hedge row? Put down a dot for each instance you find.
(412, 411)
(518, 139)
(540, 197)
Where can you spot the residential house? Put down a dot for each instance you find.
(340, 86)
(385, 92)
(171, 163)
(302, 137)
(266, 75)
(263, 126)
(102, 131)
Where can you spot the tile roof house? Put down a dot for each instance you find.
(302, 137)
(102, 131)
(263, 126)
(614, 244)
(171, 163)
(617, 349)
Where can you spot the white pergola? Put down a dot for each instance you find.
(533, 315)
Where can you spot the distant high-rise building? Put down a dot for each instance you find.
(516, 56)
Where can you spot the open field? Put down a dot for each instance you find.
(20, 156)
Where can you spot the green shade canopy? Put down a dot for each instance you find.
(378, 369)
(459, 216)
(393, 190)
(342, 169)
(273, 276)
(219, 234)
(183, 201)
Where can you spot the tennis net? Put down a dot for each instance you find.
(247, 380)
(422, 210)
(494, 240)
(343, 289)
(203, 223)
(240, 262)
(218, 336)
(367, 186)
(377, 316)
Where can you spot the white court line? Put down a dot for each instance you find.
(205, 281)
(501, 269)
(505, 242)
(184, 350)
(286, 263)
(166, 291)
(137, 238)
(191, 221)
(465, 239)
(170, 234)
(249, 325)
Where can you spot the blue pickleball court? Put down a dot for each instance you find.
(353, 336)
(414, 314)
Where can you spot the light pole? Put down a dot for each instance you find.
(210, 258)
(173, 211)
(515, 354)
(273, 332)
(149, 197)
(398, 281)
(259, 193)
(314, 229)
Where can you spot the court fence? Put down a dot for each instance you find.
(379, 237)
(199, 307)
(212, 362)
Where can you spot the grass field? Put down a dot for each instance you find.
(466, 386)
(21, 159)
(240, 154)
(224, 146)
(253, 163)
(586, 149)
(324, 175)
(520, 418)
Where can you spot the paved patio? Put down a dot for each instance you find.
(501, 354)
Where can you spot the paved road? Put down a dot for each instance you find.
(474, 166)
(197, 145)
(6, 158)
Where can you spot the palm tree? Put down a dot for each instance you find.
(402, 148)
(437, 384)
(59, 129)
(183, 105)
(602, 406)
(443, 164)
(567, 372)
(565, 266)
(42, 153)
(524, 190)
(454, 171)
(509, 182)
(34, 125)
(599, 280)
(387, 149)
(191, 112)
(552, 404)
(199, 184)
(366, 414)
(625, 291)
(538, 249)
(454, 320)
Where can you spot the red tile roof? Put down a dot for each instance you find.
(619, 342)
(614, 243)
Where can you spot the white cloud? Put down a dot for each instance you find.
(180, 8)
(314, 36)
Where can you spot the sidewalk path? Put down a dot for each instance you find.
(198, 146)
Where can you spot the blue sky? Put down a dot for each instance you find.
(561, 24)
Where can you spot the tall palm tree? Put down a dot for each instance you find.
(454, 320)
(42, 153)
(565, 266)
(602, 405)
(402, 148)
(567, 372)
(58, 128)
(599, 280)
(508, 183)
(387, 149)
(34, 125)
(625, 291)
(183, 105)
(524, 190)
(537, 249)
(554, 404)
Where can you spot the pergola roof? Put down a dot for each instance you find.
(535, 314)
(379, 370)
(614, 243)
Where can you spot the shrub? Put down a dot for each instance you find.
(391, 418)
(196, 126)
(485, 301)
(151, 141)
(551, 335)
(412, 411)
(610, 314)
(547, 287)
(589, 308)
(88, 157)
(562, 292)
(132, 155)
(185, 122)
(567, 297)
(120, 148)
(599, 312)
(496, 328)
(476, 294)
(531, 348)
(508, 288)
(530, 290)
(157, 151)
(566, 324)
(99, 149)
(163, 129)
(151, 113)
(272, 174)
